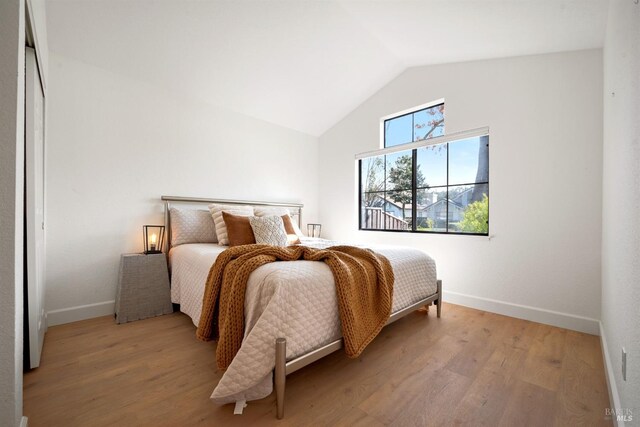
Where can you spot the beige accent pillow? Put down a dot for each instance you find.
(238, 229)
(269, 230)
(221, 228)
(278, 211)
(191, 226)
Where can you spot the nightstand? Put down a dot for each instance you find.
(143, 287)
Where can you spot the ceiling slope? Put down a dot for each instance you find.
(305, 64)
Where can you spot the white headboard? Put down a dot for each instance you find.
(294, 208)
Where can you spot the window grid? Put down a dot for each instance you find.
(413, 122)
(414, 183)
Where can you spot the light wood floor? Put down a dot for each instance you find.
(468, 368)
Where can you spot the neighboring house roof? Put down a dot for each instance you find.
(454, 200)
(391, 202)
(441, 202)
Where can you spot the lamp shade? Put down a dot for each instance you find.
(153, 236)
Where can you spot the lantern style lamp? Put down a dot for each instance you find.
(153, 236)
(313, 230)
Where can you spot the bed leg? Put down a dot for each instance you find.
(439, 301)
(280, 374)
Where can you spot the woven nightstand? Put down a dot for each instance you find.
(143, 287)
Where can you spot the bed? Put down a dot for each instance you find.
(291, 313)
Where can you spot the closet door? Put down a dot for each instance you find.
(34, 212)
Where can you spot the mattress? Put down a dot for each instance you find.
(295, 300)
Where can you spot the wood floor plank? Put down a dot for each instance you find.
(516, 333)
(432, 402)
(543, 366)
(357, 418)
(405, 383)
(506, 361)
(580, 383)
(351, 381)
(484, 401)
(472, 359)
(529, 405)
(467, 368)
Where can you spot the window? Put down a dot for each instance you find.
(423, 180)
(416, 125)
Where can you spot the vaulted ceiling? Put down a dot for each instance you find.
(305, 64)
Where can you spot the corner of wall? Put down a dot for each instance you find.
(621, 202)
(614, 397)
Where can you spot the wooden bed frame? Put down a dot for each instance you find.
(282, 367)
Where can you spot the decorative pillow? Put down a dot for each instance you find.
(269, 230)
(274, 210)
(239, 229)
(216, 214)
(191, 226)
(292, 237)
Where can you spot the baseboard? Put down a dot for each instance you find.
(614, 397)
(535, 314)
(24, 421)
(81, 312)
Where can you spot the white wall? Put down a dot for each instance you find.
(11, 208)
(116, 145)
(621, 201)
(545, 114)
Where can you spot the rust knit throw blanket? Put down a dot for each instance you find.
(364, 287)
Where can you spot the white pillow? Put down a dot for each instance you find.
(191, 226)
(277, 211)
(269, 230)
(221, 227)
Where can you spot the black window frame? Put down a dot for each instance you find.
(413, 122)
(414, 189)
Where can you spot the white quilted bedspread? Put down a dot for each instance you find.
(295, 300)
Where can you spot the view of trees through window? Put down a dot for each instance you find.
(442, 188)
